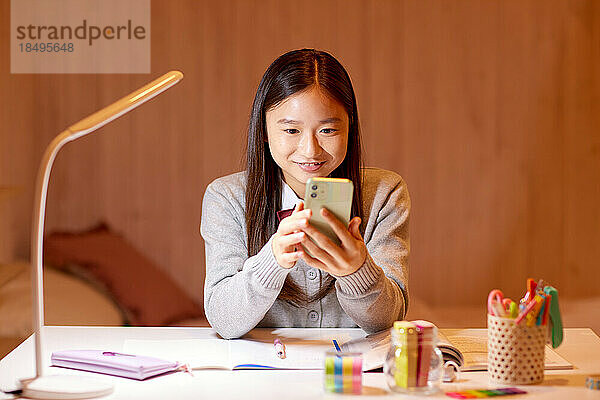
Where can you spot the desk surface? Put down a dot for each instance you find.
(581, 347)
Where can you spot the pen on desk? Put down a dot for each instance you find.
(279, 348)
(337, 347)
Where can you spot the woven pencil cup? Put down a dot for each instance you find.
(515, 352)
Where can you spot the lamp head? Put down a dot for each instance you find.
(123, 105)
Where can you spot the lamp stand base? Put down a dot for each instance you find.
(64, 387)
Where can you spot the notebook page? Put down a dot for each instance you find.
(301, 352)
(198, 353)
(298, 356)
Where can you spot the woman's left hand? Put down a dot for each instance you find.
(340, 260)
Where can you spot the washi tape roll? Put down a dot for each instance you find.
(593, 382)
(338, 374)
(343, 372)
(347, 363)
(357, 375)
(329, 374)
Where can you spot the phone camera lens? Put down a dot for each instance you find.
(313, 195)
(314, 187)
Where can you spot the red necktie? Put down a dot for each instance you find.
(284, 213)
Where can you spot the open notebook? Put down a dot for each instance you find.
(254, 351)
(467, 347)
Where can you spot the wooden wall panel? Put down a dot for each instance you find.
(489, 109)
(17, 141)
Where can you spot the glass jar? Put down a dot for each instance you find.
(414, 364)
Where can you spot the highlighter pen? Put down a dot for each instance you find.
(513, 309)
(279, 348)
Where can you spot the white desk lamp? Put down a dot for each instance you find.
(69, 386)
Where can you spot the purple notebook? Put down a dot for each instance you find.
(111, 363)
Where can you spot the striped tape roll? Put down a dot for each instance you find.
(343, 372)
(593, 382)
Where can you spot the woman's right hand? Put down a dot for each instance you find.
(286, 241)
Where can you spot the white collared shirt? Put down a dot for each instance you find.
(289, 199)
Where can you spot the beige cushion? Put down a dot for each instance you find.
(140, 286)
(68, 301)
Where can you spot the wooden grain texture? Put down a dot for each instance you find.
(489, 110)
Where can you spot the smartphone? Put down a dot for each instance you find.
(335, 194)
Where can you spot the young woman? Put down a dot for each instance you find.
(266, 273)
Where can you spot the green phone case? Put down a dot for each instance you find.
(335, 194)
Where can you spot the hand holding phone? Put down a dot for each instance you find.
(286, 243)
(333, 243)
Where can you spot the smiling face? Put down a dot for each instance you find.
(308, 136)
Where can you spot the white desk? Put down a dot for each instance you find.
(581, 347)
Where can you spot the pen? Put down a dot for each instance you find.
(337, 347)
(279, 348)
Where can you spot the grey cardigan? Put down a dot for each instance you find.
(240, 292)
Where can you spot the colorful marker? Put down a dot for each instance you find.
(406, 354)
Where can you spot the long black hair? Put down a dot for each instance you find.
(291, 73)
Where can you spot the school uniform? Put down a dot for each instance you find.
(240, 292)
